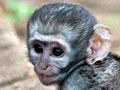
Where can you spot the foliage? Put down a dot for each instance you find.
(111, 20)
(17, 10)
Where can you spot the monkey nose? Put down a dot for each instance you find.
(46, 67)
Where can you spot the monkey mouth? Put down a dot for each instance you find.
(47, 80)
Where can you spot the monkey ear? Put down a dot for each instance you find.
(99, 44)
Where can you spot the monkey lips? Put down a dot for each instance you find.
(48, 76)
(47, 80)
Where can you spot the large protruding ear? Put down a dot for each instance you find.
(99, 44)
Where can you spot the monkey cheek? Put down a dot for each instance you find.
(48, 80)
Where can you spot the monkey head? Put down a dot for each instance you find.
(61, 35)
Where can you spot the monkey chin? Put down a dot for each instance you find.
(48, 80)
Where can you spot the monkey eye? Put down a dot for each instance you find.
(38, 48)
(58, 52)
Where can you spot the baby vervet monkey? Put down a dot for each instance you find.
(67, 46)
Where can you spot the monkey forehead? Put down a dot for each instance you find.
(62, 30)
(50, 38)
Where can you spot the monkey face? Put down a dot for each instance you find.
(49, 56)
(60, 37)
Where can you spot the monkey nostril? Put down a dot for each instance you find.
(46, 67)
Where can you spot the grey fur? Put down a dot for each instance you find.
(72, 21)
(103, 75)
(75, 23)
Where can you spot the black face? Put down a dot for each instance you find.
(49, 59)
(57, 51)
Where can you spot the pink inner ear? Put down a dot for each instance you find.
(95, 44)
(99, 44)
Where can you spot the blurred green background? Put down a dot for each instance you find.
(16, 73)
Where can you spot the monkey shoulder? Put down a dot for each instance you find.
(103, 75)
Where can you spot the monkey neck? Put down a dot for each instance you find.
(74, 65)
(70, 68)
(88, 77)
